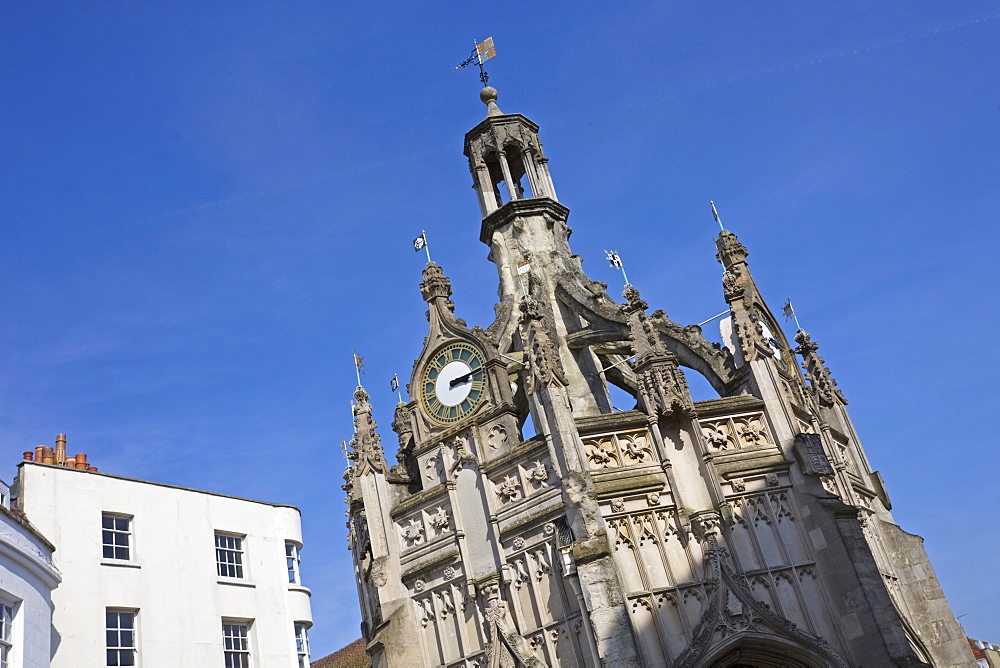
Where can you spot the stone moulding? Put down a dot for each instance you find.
(415, 566)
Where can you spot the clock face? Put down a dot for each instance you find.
(453, 382)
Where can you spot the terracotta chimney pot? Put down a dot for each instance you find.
(83, 466)
(29, 455)
(81, 457)
(93, 469)
(61, 449)
(38, 452)
(71, 462)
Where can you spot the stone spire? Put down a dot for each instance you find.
(821, 383)
(366, 448)
(744, 299)
(662, 388)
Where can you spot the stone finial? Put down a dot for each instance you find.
(489, 97)
(366, 448)
(633, 303)
(435, 284)
(730, 250)
(821, 383)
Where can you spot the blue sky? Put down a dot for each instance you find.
(207, 206)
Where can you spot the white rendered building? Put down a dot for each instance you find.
(160, 576)
(27, 578)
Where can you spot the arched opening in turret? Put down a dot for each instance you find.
(512, 174)
(497, 180)
(517, 164)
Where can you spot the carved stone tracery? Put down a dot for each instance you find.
(821, 383)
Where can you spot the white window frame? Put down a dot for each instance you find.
(302, 644)
(292, 561)
(7, 612)
(118, 646)
(237, 651)
(234, 547)
(114, 531)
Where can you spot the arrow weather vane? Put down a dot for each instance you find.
(481, 52)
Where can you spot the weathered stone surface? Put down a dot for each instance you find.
(678, 533)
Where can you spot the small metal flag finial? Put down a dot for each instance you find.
(789, 312)
(715, 214)
(481, 52)
(616, 261)
(394, 384)
(359, 363)
(421, 242)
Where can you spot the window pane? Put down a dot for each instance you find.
(126, 658)
(121, 523)
(107, 522)
(111, 638)
(111, 620)
(112, 657)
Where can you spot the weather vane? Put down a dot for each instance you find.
(482, 52)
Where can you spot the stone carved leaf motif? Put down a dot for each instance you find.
(440, 520)
(602, 455)
(751, 432)
(508, 489)
(413, 533)
(538, 474)
(635, 448)
(716, 435)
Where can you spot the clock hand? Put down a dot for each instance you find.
(460, 379)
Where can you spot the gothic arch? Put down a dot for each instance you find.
(755, 650)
